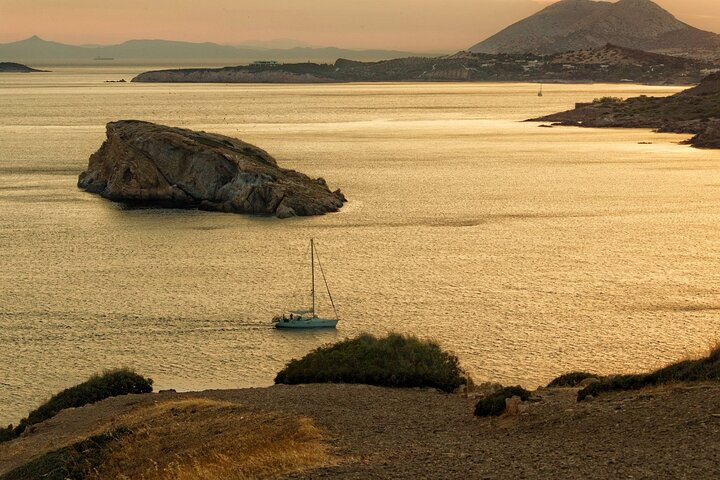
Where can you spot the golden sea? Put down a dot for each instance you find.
(527, 251)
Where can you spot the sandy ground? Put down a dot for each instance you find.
(670, 432)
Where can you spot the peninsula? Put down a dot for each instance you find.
(695, 111)
(610, 63)
(141, 163)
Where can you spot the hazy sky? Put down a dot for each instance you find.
(419, 25)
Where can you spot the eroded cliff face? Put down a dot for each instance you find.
(145, 163)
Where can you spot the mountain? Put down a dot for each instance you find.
(36, 50)
(276, 43)
(586, 24)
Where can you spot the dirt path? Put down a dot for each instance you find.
(670, 432)
(384, 433)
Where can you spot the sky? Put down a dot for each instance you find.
(414, 25)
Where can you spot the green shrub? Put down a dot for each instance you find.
(7, 433)
(608, 100)
(494, 404)
(392, 361)
(110, 384)
(73, 462)
(707, 368)
(571, 379)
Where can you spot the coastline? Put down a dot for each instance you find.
(693, 111)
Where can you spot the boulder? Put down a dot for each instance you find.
(147, 164)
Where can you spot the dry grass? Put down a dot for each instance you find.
(209, 439)
(691, 369)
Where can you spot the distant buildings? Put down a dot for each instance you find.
(265, 63)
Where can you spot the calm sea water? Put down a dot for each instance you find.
(527, 251)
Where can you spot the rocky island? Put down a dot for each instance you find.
(142, 163)
(695, 111)
(10, 67)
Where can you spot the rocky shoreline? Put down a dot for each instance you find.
(694, 111)
(141, 163)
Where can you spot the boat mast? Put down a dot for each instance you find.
(312, 270)
(327, 287)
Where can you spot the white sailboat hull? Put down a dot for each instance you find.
(304, 319)
(299, 323)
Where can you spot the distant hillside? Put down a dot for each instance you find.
(8, 67)
(607, 64)
(587, 24)
(35, 50)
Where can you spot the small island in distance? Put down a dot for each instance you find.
(10, 67)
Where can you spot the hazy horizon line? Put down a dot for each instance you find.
(244, 43)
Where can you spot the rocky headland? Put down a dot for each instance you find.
(10, 67)
(142, 163)
(299, 73)
(609, 63)
(694, 111)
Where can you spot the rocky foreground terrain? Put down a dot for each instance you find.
(609, 63)
(360, 432)
(142, 163)
(695, 111)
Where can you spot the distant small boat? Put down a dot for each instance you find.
(301, 319)
(540, 92)
(103, 58)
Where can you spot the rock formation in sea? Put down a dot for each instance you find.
(148, 164)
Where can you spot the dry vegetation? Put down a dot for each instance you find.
(210, 439)
(191, 438)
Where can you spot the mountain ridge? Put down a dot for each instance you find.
(585, 24)
(35, 49)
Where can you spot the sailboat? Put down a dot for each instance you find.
(540, 93)
(308, 318)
